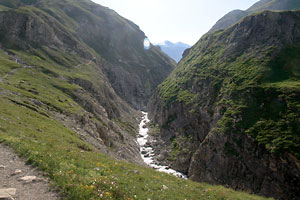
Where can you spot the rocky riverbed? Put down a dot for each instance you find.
(147, 151)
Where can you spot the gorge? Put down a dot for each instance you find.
(229, 113)
(75, 76)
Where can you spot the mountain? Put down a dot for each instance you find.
(229, 113)
(174, 50)
(73, 77)
(236, 15)
(90, 65)
(132, 72)
(58, 73)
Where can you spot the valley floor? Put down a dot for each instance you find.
(12, 169)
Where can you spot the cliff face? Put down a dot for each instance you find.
(89, 69)
(229, 113)
(236, 15)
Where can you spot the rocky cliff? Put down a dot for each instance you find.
(236, 15)
(133, 72)
(229, 113)
(90, 71)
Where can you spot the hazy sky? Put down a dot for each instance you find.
(175, 20)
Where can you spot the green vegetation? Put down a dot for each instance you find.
(3, 8)
(81, 172)
(49, 82)
(179, 147)
(258, 91)
(153, 129)
(75, 167)
(70, 75)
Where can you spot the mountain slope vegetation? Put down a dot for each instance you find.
(132, 72)
(72, 74)
(229, 113)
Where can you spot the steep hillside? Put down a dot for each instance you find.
(133, 72)
(229, 113)
(92, 57)
(62, 107)
(174, 50)
(236, 15)
(47, 69)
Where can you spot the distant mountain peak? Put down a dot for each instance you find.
(174, 50)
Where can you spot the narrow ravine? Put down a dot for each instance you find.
(147, 151)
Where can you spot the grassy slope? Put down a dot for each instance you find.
(126, 55)
(74, 166)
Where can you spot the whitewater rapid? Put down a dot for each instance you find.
(147, 151)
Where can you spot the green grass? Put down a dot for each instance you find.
(3, 8)
(81, 172)
(31, 95)
(76, 168)
(6, 65)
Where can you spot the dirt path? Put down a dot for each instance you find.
(87, 63)
(33, 186)
(13, 71)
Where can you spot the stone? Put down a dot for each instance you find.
(29, 179)
(17, 171)
(148, 144)
(2, 167)
(144, 152)
(165, 187)
(7, 193)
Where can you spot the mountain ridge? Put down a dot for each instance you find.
(230, 107)
(236, 15)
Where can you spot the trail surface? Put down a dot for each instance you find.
(19, 181)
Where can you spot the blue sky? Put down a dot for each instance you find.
(175, 20)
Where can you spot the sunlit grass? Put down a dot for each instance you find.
(76, 168)
(81, 172)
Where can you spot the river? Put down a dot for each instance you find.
(147, 151)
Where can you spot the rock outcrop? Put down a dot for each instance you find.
(229, 113)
